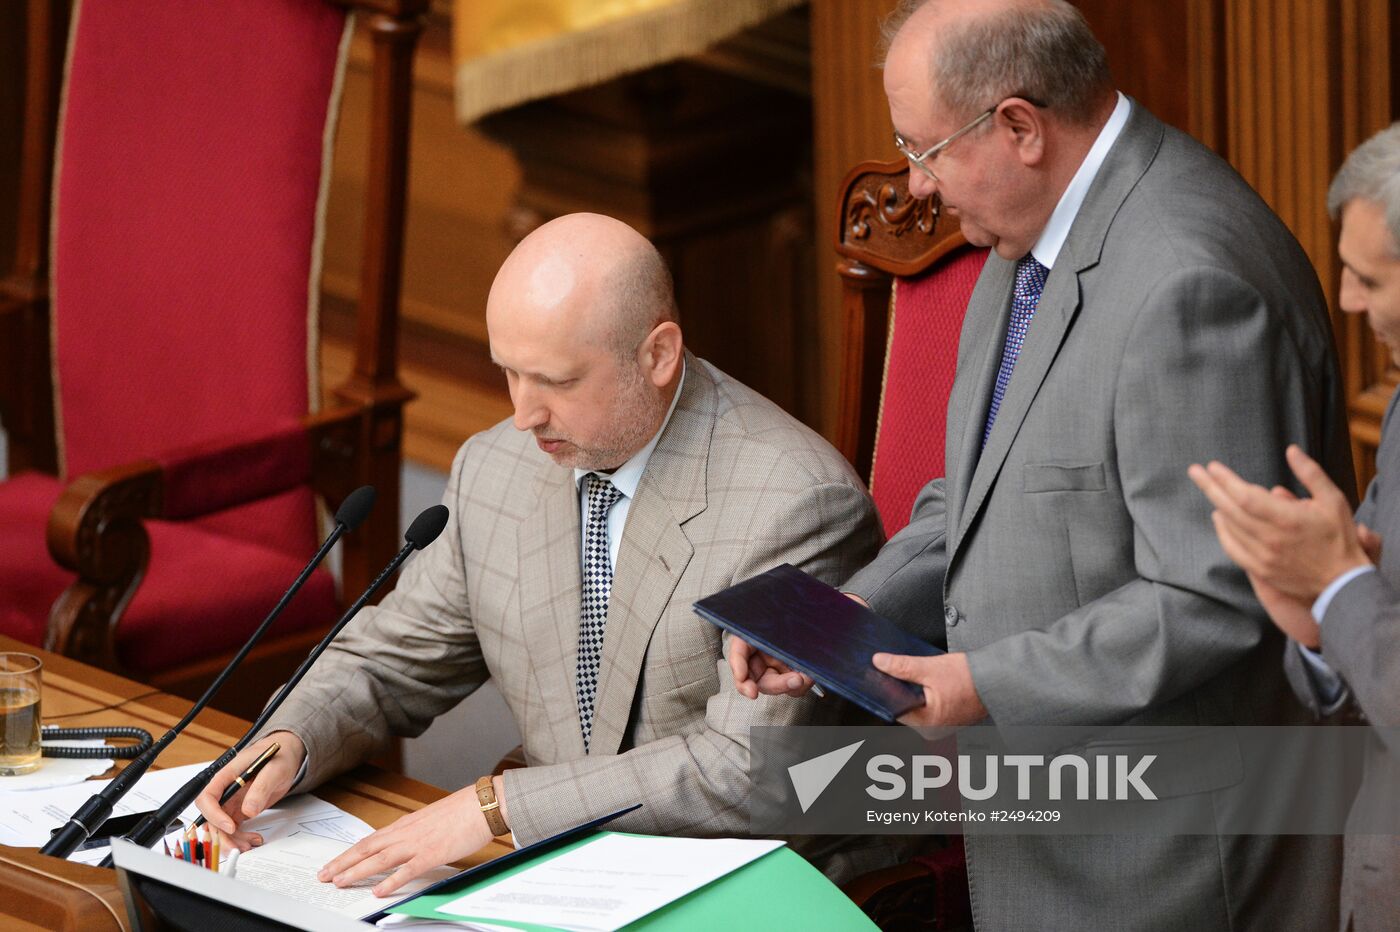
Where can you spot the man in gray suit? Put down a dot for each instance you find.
(1142, 306)
(1322, 573)
(634, 480)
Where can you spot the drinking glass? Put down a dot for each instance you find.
(19, 712)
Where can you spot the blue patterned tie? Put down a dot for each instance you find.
(1030, 282)
(597, 583)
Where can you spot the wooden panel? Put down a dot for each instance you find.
(1148, 46)
(1304, 83)
(851, 123)
(711, 166)
(459, 391)
(461, 188)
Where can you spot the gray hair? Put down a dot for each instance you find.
(1043, 52)
(1372, 173)
(645, 296)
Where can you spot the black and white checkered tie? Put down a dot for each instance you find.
(597, 582)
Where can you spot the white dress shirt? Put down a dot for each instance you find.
(625, 479)
(1330, 688)
(1047, 249)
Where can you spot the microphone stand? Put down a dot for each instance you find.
(99, 806)
(422, 532)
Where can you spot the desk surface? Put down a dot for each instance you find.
(76, 695)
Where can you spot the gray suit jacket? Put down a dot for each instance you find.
(1361, 642)
(1074, 561)
(734, 487)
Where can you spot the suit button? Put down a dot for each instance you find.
(951, 616)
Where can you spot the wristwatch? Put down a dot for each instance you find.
(490, 807)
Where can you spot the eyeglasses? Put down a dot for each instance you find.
(921, 159)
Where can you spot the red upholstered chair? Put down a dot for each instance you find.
(906, 280)
(166, 451)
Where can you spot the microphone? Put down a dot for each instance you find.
(422, 532)
(98, 808)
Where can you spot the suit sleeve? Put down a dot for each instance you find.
(1361, 629)
(1210, 370)
(905, 580)
(1360, 640)
(698, 783)
(396, 666)
(1303, 680)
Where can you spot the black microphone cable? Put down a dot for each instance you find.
(141, 736)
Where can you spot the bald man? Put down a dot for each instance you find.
(633, 480)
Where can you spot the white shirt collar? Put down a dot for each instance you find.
(1047, 249)
(628, 476)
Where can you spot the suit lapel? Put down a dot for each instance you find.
(1059, 306)
(653, 553)
(979, 354)
(551, 591)
(1051, 322)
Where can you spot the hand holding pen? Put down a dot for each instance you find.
(244, 778)
(199, 846)
(250, 783)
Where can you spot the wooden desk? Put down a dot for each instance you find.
(38, 892)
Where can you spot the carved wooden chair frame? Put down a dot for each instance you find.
(882, 233)
(96, 528)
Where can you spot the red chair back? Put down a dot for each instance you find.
(926, 319)
(184, 270)
(906, 278)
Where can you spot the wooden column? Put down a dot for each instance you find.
(374, 382)
(851, 123)
(1304, 83)
(26, 393)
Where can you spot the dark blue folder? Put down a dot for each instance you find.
(812, 627)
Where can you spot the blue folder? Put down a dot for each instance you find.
(800, 620)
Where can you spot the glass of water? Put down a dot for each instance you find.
(19, 712)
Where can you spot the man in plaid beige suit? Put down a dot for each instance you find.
(634, 479)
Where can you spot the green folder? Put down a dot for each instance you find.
(780, 890)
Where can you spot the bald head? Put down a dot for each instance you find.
(588, 275)
(978, 52)
(582, 320)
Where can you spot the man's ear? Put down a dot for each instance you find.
(661, 352)
(1027, 126)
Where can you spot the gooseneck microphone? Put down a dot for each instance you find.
(98, 808)
(422, 532)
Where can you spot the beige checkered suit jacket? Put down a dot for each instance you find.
(733, 488)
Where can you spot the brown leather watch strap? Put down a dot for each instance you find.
(490, 807)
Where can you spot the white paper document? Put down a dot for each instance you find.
(607, 883)
(289, 865)
(28, 817)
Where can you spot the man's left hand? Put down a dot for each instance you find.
(443, 832)
(950, 698)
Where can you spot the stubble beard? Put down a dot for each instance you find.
(637, 416)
